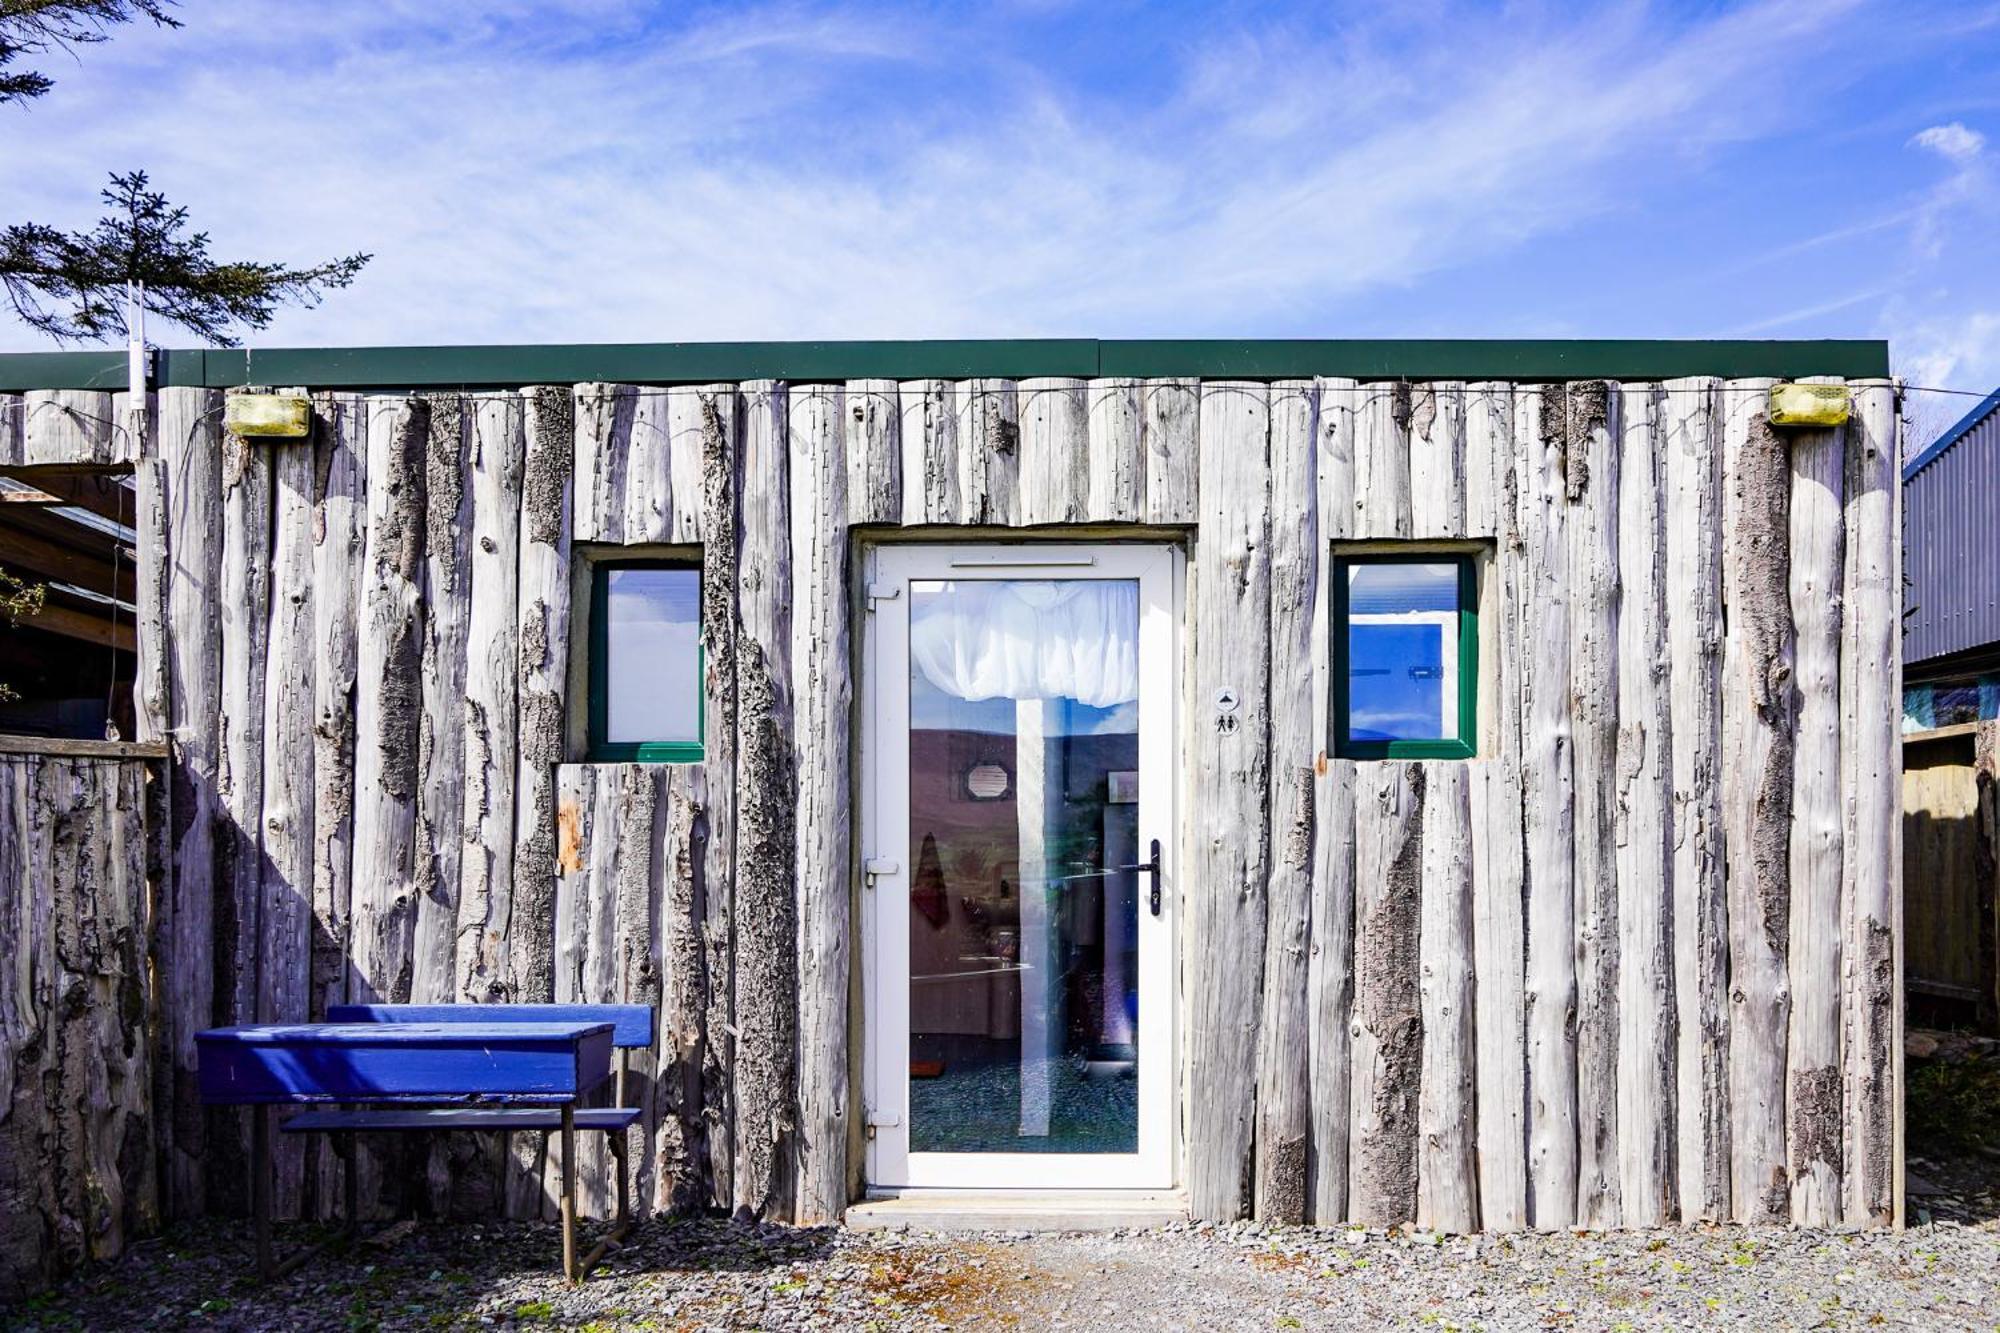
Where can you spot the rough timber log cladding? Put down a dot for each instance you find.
(1500, 993)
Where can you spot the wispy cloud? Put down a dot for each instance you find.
(601, 170)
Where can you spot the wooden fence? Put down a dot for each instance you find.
(80, 1132)
(1951, 867)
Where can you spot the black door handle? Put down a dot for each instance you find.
(1152, 868)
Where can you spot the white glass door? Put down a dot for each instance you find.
(1018, 760)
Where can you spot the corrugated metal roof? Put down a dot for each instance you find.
(1951, 539)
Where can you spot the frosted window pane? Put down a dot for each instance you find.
(652, 655)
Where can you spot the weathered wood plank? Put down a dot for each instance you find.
(1055, 450)
(682, 1129)
(1648, 1191)
(989, 443)
(1382, 462)
(447, 594)
(1117, 452)
(930, 447)
(1437, 460)
(1813, 1118)
(722, 424)
(639, 888)
(486, 867)
(388, 703)
(1541, 433)
(873, 431)
(1499, 938)
(1590, 473)
(603, 447)
(1284, 1089)
(1447, 1110)
(1388, 1018)
(1171, 425)
(73, 426)
(13, 423)
(284, 973)
(338, 535)
(590, 837)
(650, 501)
(823, 691)
(1693, 592)
(766, 962)
(1231, 766)
(1873, 974)
(149, 524)
(1330, 972)
(1757, 764)
(191, 451)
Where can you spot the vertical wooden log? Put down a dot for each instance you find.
(191, 453)
(151, 706)
(639, 884)
(284, 982)
(686, 430)
(603, 444)
(873, 432)
(1330, 972)
(1813, 1057)
(1499, 927)
(541, 645)
(1230, 767)
(1647, 1189)
(989, 442)
(244, 604)
(1437, 460)
(721, 429)
(591, 842)
(930, 446)
(767, 976)
(1388, 1018)
(648, 495)
(1693, 592)
(13, 425)
(1447, 1112)
(338, 530)
(388, 702)
(1873, 975)
(1541, 432)
(1055, 451)
(821, 508)
(74, 426)
(1382, 462)
(1171, 426)
(1757, 765)
(1590, 473)
(683, 1154)
(447, 593)
(486, 865)
(1117, 452)
(1284, 1088)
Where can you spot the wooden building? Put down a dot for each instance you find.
(1444, 783)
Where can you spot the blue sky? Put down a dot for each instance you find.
(594, 170)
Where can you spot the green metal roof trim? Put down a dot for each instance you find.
(1208, 358)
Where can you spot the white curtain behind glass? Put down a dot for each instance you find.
(1069, 639)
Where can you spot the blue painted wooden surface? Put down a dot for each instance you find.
(365, 1062)
(632, 1024)
(459, 1117)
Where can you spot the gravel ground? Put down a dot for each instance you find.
(713, 1275)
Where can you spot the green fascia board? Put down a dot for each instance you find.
(698, 363)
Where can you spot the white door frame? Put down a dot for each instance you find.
(885, 830)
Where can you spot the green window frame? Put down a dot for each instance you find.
(1466, 745)
(599, 749)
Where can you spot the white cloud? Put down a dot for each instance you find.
(797, 171)
(1954, 141)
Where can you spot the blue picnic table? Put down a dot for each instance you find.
(402, 1068)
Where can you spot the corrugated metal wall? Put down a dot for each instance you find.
(1951, 540)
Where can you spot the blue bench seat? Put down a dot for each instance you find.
(611, 1119)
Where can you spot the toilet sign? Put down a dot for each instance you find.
(1227, 700)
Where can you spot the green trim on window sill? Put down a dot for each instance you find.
(647, 752)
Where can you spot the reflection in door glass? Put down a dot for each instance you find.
(1024, 756)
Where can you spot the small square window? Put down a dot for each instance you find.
(645, 662)
(1406, 656)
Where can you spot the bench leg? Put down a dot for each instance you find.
(623, 1224)
(260, 1187)
(571, 1269)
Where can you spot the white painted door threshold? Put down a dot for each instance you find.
(1018, 1210)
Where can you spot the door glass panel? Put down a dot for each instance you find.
(1024, 757)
